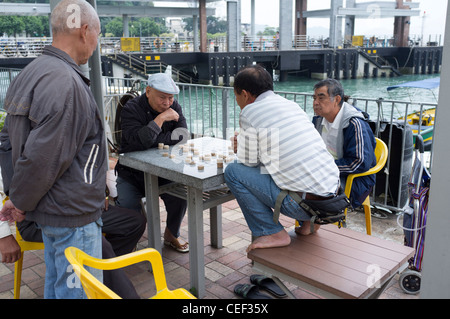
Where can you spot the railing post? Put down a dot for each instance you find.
(225, 113)
(10, 76)
(379, 105)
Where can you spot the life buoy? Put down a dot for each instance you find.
(157, 42)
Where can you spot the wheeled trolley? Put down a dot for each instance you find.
(414, 219)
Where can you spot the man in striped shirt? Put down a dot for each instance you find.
(277, 149)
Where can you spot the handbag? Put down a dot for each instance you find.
(323, 211)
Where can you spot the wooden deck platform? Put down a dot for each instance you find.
(335, 263)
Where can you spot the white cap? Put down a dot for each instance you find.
(163, 82)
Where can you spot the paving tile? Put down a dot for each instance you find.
(220, 268)
(225, 267)
(4, 270)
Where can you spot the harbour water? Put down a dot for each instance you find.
(409, 99)
(370, 88)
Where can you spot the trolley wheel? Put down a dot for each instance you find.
(410, 282)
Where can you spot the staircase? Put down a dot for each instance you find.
(144, 68)
(379, 62)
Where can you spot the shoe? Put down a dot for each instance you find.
(175, 244)
(267, 284)
(248, 291)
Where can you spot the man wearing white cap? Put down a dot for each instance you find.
(147, 120)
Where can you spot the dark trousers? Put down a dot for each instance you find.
(129, 196)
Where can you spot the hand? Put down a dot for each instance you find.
(10, 249)
(166, 116)
(234, 141)
(10, 213)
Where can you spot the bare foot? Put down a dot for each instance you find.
(305, 229)
(279, 239)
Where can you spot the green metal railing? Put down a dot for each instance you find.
(213, 111)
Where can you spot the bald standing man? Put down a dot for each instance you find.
(58, 147)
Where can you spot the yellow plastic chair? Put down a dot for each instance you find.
(94, 289)
(381, 154)
(24, 246)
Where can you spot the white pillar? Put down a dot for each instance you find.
(253, 21)
(234, 25)
(286, 8)
(335, 24)
(436, 261)
(125, 19)
(196, 42)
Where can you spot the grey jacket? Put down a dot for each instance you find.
(58, 144)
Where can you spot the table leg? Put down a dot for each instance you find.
(196, 241)
(153, 216)
(216, 226)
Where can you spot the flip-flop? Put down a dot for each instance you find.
(175, 244)
(248, 291)
(268, 284)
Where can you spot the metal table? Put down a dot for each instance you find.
(202, 188)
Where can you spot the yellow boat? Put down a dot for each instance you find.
(426, 125)
(424, 120)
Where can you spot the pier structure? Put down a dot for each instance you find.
(199, 14)
(337, 59)
(400, 10)
(219, 68)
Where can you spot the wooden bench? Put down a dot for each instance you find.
(334, 263)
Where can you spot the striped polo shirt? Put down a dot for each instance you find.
(277, 135)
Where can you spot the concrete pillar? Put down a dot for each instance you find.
(335, 24)
(195, 26)
(125, 20)
(436, 259)
(402, 25)
(286, 7)
(253, 21)
(234, 25)
(203, 34)
(349, 23)
(300, 21)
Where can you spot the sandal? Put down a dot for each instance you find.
(175, 244)
(268, 284)
(248, 291)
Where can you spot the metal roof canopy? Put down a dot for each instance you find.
(187, 1)
(378, 9)
(106, 10)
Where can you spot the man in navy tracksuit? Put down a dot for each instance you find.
(347, 135)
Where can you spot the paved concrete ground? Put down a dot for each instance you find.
(225, 267)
